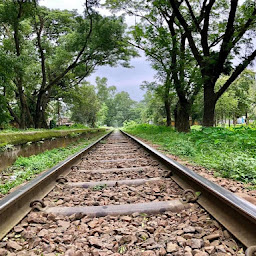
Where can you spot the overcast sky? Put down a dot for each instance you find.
(124, 79)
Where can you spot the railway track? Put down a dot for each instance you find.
(121, 197)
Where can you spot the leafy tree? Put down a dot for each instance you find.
(217, 31)
(122, 109)
(245, 90)
(116, 108)
(105, 95)
(164, 43)
(165, 95)
(4, 114)
(102, 114)
(238, 98)
(227, 103)
(54, 51)
(6, 72)
(84, 104)
(153, 110)
(14, 32)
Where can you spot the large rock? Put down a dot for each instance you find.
(3, 252)
(196, 243)
(171, 247)
(13, 245)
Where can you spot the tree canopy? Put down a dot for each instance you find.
(53, 50)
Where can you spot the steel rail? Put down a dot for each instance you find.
(15, 206)
(237, 215)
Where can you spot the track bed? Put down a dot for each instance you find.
(118, 173)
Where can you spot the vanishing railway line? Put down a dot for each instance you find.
(121, 197)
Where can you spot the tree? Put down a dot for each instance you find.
(55, 50)
(245, 90)
(238, 98)
(153, 109)
(122, 109)
(102, 114)
(166, 96)
(217, 31)
(227, 103)
(105, 95)
(84, 104)
(164, 43)
(6, 72)
(116, 108)
(13, 18)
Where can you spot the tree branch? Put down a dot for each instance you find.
(184, 24)
(193, 16)
(239, 69)
(155, 57)
(226, 44)
(216, 41)
(204, 32)
(244, 28)
(41, 51)
(74, 63)
(16, 30)
(13, 114)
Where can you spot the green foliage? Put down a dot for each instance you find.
(4, 114)
(53, 124)
(116, 108)
(54, 51)
(238, 99)
(25, 168)
(84, 104)
(152, 109)
(128, 124)
(230, 151)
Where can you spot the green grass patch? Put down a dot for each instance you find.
(229, 151)
(25, 168)
(15, 138)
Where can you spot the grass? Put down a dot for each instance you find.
(25, 168)
(21, 137)
(99, 187)
(231, 152)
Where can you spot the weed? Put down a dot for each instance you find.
(231, 152)
(99, 187)
(122, 249)
(25, 168)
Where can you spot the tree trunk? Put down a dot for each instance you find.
(246, 119)
(26, 120)
(234, 120)
(182, 117)
(40, 119)
(209, 105)
(167, 106)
